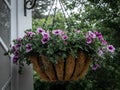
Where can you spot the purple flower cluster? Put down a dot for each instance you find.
(105, 49)
(40, 30)
(45, 37)
(90, 36)
(57, 32)
(15, 59)
(100, 37)
(93, 37)
(15, 49)
(60, 33)
(41, 37)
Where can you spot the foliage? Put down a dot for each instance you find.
(40, 8)
(50, 22)
(40, 85)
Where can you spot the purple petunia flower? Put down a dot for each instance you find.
(89, 40)
(13, 48)
(30, 34)
(95, 67)
(28, 47)
(97, 33)
(16, 47)
(110, 48)
(44, 40)
(40, 30)
(16, 53)
(64, 37)
(57, 32)
(91, 34)
(100, 38)
(15, 59)
(46, 35)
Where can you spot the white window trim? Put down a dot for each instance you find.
(6, 84)
(3, 44)
(8, 4)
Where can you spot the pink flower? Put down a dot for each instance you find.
(44, 40)
(64, 37)
(29, 34)
(95, 67)
(57, 32)
(91, 34)
(46, 35)
(16, 47)
(89, 40)
(15, 59)
(110, 48)
(28, 47)
(62, 33)
(99, 35)
(16, 53)
(40, 30)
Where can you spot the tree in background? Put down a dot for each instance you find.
(40, 8)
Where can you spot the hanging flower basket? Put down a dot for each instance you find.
(59, 55)
(65, 70)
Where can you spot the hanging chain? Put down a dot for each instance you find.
(48, 13)
(63, 9)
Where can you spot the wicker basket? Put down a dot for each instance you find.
(65, 70)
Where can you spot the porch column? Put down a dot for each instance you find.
(19, 24)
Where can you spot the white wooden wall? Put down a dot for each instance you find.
(19, 23)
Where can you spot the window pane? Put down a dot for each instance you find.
(5, 35)
(4, 22)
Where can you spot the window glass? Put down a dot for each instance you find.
(4, 22)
